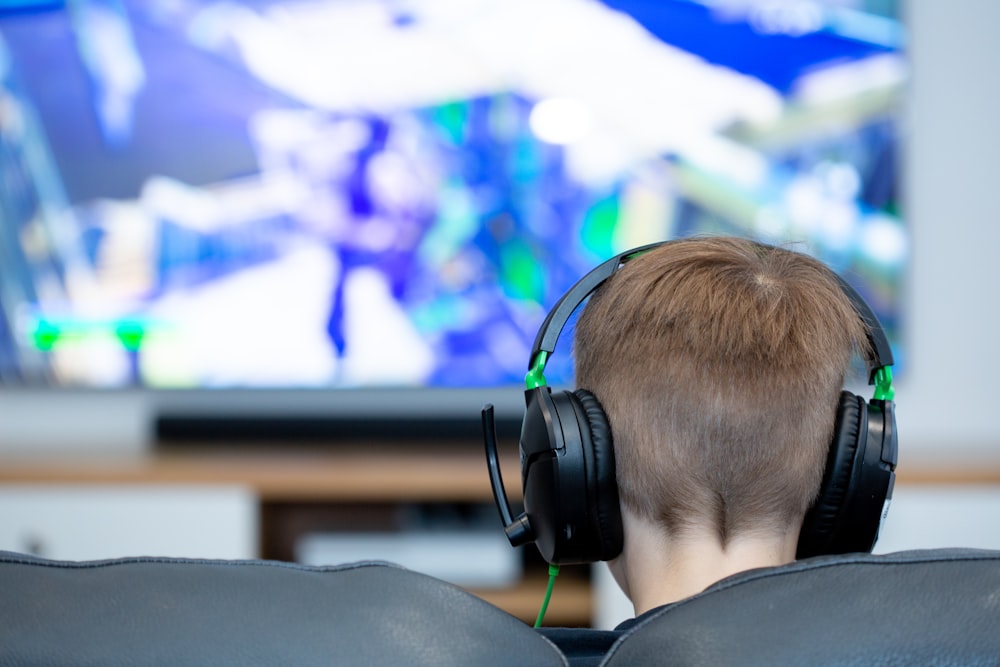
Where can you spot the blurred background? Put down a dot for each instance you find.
(262, 262)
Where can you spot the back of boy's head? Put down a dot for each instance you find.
(719, 362)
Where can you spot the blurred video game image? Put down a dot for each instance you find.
(363, 193)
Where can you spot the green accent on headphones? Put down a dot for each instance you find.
(884, 390)
(536, 377)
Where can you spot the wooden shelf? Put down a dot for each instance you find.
(339, 473)
(342, 472)
(944, 474)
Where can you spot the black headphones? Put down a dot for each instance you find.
(571, 508)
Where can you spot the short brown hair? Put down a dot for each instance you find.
(719, 362)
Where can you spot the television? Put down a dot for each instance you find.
(319, 217)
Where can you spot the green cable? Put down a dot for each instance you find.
(533, 380)
(553, 573)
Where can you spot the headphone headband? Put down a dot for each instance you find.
(556, 320)
(879, 357)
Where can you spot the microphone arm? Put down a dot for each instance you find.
(518, 530)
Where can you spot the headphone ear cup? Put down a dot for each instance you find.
(857, 483)
(602, 482)
(568, 476)
(824, 519)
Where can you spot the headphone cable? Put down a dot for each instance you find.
(553, 573)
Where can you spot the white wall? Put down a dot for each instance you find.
(947, 403)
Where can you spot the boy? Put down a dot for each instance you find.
(719, 363)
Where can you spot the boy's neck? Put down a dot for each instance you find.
(656, 569)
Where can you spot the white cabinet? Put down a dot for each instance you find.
(84, 522)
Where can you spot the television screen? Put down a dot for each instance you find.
(372, 194)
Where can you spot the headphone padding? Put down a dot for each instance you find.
(606, 506)
(823, 518)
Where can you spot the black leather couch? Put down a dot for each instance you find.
(938, 607)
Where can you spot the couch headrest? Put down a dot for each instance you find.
(932, 607)
(168, 611)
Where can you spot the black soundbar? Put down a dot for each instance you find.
(179, 429)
